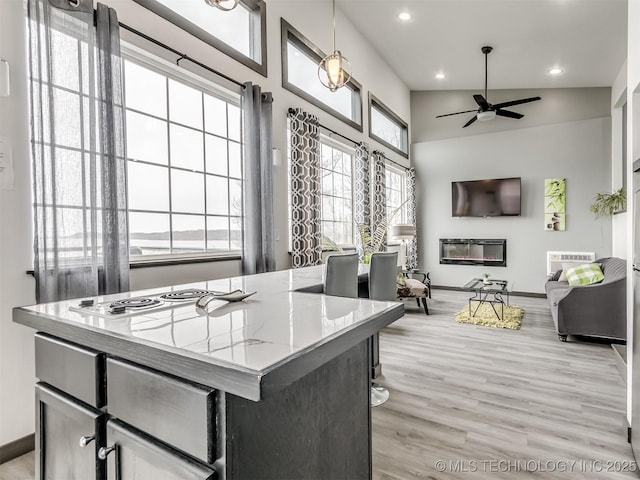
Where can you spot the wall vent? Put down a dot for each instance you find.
(559, 260)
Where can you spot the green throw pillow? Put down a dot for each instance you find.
(400, 280)
(586, 274)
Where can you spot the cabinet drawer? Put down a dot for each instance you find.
(179, 413)
(74, 370)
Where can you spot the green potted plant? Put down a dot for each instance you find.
(485, 279)
(606, 204)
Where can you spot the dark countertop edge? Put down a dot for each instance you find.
(246, 383)
(182, 364)
(288, 371)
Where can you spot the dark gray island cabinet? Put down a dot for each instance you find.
(275, 387)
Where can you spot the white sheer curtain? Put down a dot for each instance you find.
(78, 151)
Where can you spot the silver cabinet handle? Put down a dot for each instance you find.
(86, 440)
(104, 451)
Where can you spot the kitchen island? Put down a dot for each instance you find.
(273, 387)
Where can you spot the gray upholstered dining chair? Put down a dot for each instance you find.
(383, 271)
(341, 276)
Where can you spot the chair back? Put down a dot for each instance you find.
(383, 271)
(341, 279)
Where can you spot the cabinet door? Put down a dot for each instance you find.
(131, 454)
(68, 436)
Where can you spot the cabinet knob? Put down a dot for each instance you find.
(86, 440)
(104, 451)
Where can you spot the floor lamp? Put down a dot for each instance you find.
(404, 233)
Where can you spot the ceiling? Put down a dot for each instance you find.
(586, 38)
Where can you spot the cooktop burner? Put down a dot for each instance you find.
(182, 295)
(129, 307)
(136, 302)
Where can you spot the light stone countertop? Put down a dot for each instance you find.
(277, 334)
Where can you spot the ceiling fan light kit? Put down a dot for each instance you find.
(486, 110)
(484, 116)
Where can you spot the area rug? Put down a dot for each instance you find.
(487, 317)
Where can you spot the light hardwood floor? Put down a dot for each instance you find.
(495, 401)
(477, 398)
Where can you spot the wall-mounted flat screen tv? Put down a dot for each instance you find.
(486, 198)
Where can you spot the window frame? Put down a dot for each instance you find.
(162, 66)
(403, 196)
(256, 7)
(393, 117)
(288, 31)
(345, 149)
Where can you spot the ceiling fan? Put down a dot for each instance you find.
(486, 110)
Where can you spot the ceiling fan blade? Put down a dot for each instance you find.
(457, 113)
(516, 102)
(475, 117)
(510, 114)
(482, 102)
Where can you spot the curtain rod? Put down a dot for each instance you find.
(182, 56)
(292, 111)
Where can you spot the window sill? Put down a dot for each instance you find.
(165, 262)
(159, 262)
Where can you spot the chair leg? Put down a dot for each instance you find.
(424, 304)
(418, 301)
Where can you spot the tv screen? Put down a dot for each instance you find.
(486, 198)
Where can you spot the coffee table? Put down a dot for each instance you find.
(489, 293)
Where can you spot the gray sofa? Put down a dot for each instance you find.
(597, 310)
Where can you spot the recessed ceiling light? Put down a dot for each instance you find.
(440, 76)
(555, 71)
(405, 16)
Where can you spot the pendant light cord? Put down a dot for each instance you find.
(334, 25)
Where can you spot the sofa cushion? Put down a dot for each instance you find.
(413, 288)
(586, 274)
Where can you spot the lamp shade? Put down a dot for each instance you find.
(403, 231)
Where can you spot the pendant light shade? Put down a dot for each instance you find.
(334, 70)
(225, 5)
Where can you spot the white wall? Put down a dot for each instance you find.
(633, 152)
(579, 151)
(619, 221)
(16, 287)
(312, 18)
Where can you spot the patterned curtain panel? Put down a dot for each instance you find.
(378, 200)
(258, 246)
(412, 245)
(362, 214)
(81, 245)
(305, 187)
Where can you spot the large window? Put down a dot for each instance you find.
(240, 33)
(396, 196)
(300, 59)
(337, 193)
(387, 128)
(184, 157)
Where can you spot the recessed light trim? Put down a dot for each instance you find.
(404, 16)
(555, 71)
(440, 76)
